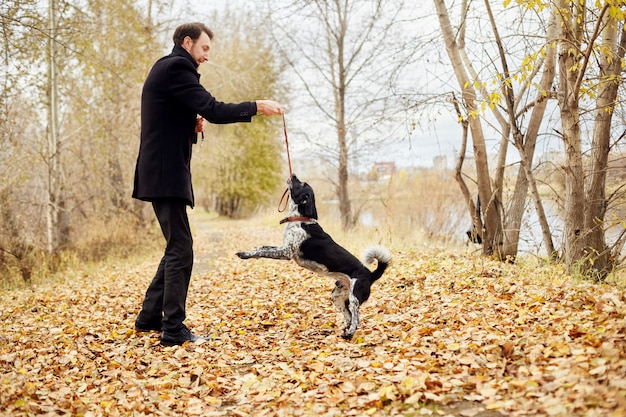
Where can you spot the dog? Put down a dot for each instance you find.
(305, 242)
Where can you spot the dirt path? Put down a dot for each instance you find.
(208, 243)
(222, 238)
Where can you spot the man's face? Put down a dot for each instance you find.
(199, 50)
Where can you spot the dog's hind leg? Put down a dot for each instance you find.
(340, 300)
(340, 297)
(354, 306)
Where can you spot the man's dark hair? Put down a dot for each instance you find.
(193, 30)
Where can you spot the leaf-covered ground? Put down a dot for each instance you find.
(442, 334)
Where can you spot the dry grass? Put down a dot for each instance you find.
(100, 242)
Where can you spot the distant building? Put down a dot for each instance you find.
(384, 169)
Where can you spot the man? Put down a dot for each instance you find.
(172, 98)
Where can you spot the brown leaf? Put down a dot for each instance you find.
(507, 349)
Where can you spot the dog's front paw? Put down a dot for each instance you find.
(347, 336)
(243, 255)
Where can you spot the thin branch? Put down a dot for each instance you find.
(596, 32)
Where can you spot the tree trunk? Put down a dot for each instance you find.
(568, 95)
(56, 216)
(492, 232)
(612, 54)
(574, 182)
(475, 234)
(345, 206)
(530, 182)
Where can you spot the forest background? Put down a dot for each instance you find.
(365, 87)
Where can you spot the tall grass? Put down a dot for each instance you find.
(424, 207)
(100, 240)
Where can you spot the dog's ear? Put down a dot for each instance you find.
(310, 211)
(308, 201)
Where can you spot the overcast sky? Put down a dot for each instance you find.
(439, 136)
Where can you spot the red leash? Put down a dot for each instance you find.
(287, 145)
(290, 170)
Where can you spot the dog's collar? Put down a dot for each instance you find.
(297, 219)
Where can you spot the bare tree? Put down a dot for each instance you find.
(491, 232)
(347, 55)
(525, 144)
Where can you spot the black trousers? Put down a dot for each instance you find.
(166, 296)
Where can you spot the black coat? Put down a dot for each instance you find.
(172, 98)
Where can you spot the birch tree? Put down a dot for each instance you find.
(56, 214)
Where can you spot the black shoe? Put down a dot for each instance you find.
(147, 327)
(179, 337)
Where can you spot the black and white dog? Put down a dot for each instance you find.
(305, 242)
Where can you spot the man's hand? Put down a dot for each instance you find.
(269, 108)
(200, 122)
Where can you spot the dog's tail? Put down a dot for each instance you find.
(380, 254)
